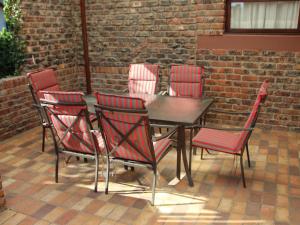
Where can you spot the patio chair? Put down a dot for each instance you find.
(42, 80)
(232, 140)
(124, 124)
(187, 81)
(71, 127)
(39, 81)
(143, 78)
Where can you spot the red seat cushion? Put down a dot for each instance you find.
(219, 140)
(160, 147)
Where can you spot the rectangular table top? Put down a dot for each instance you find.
(168, 109)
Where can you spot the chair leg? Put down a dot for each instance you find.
(201, 153)
(248, 156)
(154, 186)
(56, 167)
(107, 174)
(44, 137)
(242, 171)
(96, 173)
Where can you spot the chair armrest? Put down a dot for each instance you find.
(125, 90)
(37, 106)
(166, 135)
(229, 129)
(163, 93)
(229, 112)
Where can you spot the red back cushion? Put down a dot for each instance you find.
(124, 122)
(186, 81)
(143, 78)
(65, 116)
(44, 80)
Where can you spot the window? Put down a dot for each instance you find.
(2, 20)
(263, 16)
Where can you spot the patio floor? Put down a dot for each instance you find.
(218, 197)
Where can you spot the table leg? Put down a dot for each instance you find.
(178, 170)
(184, 157)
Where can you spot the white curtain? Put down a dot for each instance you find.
(265, 15)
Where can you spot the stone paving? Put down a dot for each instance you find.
(272, 195)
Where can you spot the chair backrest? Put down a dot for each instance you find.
(143, 78)
(250, 123)
(42, 80)
(68, 113)
(125, 126)
(186, 81)
(261, 96)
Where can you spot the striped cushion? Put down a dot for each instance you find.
(218, 140)
(143, 78)
(67, 115)
(124, 122)
(186, 81)
(262, 93)
(228, 141)
(44, 80)
(119, 102)
(160, 147)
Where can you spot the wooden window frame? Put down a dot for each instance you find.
(256, 31)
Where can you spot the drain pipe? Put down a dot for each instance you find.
(85, 48)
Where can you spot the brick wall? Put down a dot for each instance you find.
(160, 31)
(235, 76)
(52, 31)
(16, 111)
(153, 31)
(166, 32)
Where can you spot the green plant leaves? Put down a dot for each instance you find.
(12, 48)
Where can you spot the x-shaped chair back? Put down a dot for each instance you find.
(143, 78)
(186, 81)
(125, 125)
(68, 113)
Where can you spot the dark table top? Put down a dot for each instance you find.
(167, 109)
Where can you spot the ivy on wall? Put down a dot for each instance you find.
(12, 47)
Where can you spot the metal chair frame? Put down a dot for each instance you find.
(152, 165)
(244, 144)
(58, 143)
(42, 115)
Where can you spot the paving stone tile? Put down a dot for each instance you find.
(272, 195)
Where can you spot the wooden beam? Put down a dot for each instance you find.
(85, 48)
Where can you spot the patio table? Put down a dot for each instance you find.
(172, 111)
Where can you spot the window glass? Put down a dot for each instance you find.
(263, 15)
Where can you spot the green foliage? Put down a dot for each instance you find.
(12, 14)
(11, 54)
(12, 48)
